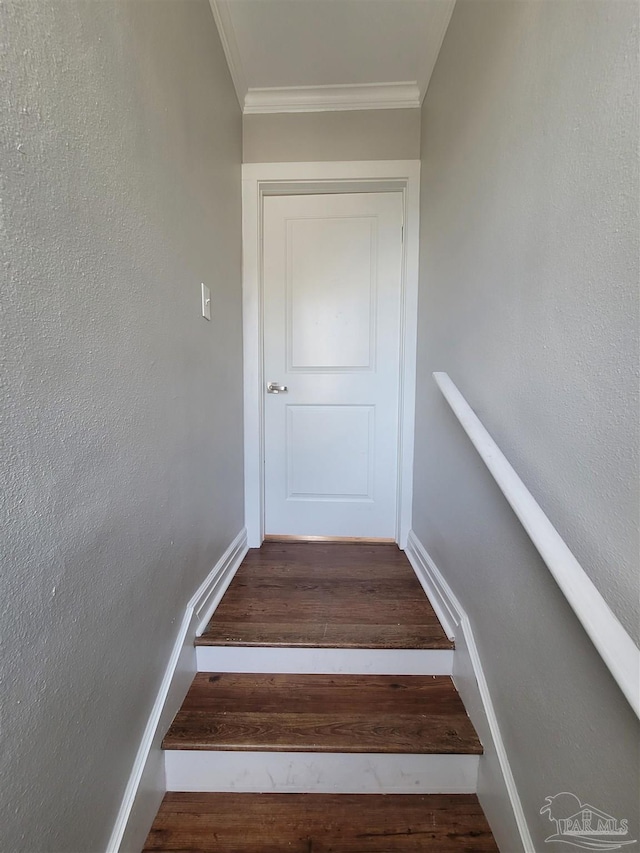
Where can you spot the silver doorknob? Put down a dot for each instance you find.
(275, 388)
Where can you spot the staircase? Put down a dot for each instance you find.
(323, 716)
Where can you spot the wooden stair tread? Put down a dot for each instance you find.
(325, 596)
(320, 823)
(324, 635)
(323, 713)
(320, 733)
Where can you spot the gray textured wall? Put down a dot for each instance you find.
(121, 408)
(529, 300)
(344, 135)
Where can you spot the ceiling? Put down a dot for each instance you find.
(311, 55)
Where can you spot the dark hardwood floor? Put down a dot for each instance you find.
(321, 823)
(326, 596)
(323, 713)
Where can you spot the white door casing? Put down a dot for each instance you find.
(261, 180)
(332, 306)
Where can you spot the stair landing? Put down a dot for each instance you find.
(311, 595)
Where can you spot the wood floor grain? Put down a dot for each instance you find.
(320, 823)
(323, 713)
(326, 596)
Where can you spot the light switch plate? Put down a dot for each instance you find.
(206, 302)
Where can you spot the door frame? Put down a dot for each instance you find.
(261, 179)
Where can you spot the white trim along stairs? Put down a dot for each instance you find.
(146, 785)
(503, 809)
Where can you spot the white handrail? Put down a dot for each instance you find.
(616, 647)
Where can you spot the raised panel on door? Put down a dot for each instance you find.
(330, 326)
(332, 296)
(330, 452)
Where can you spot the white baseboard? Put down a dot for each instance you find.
(209, 596)
(502, 804)
(325, 661)
(437, 591)
(147, 783)
(318, 772)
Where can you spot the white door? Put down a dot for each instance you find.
(332, 297)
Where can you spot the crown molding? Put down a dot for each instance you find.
(312, 99)
(222, 17)
(427, 68)
(305, 99)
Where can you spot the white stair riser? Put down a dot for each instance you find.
(324, 661)
(313, 772)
